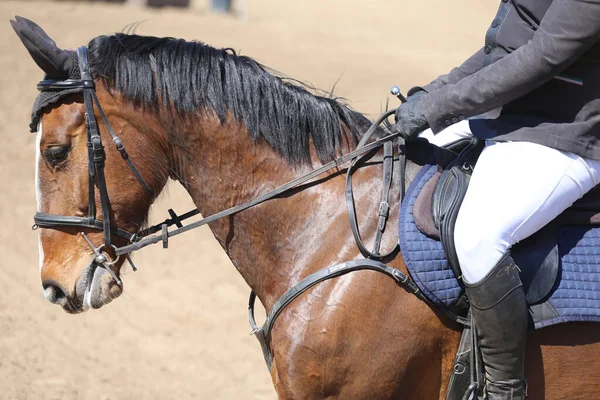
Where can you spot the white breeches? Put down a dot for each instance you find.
(516, 188)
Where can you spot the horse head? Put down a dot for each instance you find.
(65, 181)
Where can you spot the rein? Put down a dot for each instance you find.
(148, 236)
(166, 234)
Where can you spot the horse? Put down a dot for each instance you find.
(229, 129)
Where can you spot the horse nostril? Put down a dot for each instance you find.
(54, 293)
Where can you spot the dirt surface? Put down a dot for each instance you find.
(180, 329)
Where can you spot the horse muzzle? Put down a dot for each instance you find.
(95, 288)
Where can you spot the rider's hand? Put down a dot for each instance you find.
(415, 94)
(410, 120)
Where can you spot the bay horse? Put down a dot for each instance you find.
(228, 130)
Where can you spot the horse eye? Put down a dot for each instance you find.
(56, 154)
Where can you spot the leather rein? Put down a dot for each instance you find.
(148, 236)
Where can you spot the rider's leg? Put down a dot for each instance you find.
(516, 189)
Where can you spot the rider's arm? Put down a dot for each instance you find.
(569, 28)
(469, 67)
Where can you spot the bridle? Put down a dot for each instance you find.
(96, 163)
(146, 237)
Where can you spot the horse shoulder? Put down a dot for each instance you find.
(358, 336)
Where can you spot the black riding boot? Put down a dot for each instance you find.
(499, 309)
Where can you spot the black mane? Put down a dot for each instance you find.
(194, 78)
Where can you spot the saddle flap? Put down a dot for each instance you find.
(448, 197)
(539, 261)
(439, 200)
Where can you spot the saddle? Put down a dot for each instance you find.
(551, 260)
(438, 202)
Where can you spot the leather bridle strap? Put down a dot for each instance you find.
(96, 160)
(383, 211)
(56, 221)
(384, 207)
(120, 147)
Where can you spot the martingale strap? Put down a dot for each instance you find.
(263, 334)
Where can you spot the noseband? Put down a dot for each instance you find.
(96, 163)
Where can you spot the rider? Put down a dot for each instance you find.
(541, 65)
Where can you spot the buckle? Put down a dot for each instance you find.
(384, 209)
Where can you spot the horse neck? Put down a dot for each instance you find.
(271, 244)
(276, 244)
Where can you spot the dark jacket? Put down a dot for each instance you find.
(541, 64)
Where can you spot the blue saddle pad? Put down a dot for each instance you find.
(575, 297)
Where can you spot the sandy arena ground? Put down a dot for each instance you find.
(180, 329)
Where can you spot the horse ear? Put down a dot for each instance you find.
(55, 62)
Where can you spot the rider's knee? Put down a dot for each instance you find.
(478, 246)
(466, 240)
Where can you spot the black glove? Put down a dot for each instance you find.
(410, 120)
(415, 94)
